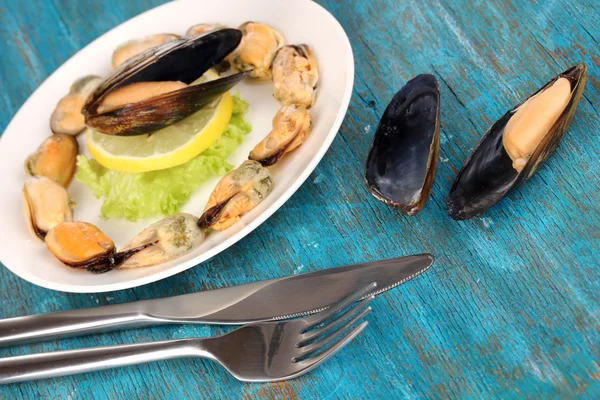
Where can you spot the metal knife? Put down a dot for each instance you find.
(268, 300)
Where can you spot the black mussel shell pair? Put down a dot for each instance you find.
(183, 60)
(402, 161)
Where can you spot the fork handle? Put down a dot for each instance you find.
(47, 365)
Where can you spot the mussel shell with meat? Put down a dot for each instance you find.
(162, 73)
(402, 161)
(516, 145)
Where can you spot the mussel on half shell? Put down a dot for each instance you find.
(150, 91)
(402, 161)
(516, 145)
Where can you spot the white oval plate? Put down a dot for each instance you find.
(300, 21)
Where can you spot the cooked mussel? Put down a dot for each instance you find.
(46, 204)
(83, 245)
(295, 75)
(56, 159)
(154, 88)
(516, 145)
(291, 125)
(402, 161)
(238, 192)
(132, 47)
(257, 49)
(67, 117)
(173, 236)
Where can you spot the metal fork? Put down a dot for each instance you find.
(262, 352)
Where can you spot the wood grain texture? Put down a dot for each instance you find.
(511, 308)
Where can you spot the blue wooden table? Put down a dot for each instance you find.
(511, 308)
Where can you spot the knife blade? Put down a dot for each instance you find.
(274, 299)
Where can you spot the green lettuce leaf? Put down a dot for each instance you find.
(140, 195)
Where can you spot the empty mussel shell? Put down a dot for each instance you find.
(402, 161)
(516, 145)
(150, 91)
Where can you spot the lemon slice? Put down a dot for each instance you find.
(167, 147)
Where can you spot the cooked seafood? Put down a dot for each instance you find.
(55, 159)
(150, 91)
(295, 75)
(158, 81)
(136, 92)
(203, 28)
(174, 236)
(291, 125)
(83, 245)
(67, 117)
(46, 204)
(516, 145)
(238, 192)
(257, 49)
(402, 160)
(133, 47)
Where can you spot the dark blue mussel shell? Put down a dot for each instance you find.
(403, 158)
(182, 60)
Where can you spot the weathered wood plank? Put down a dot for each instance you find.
(512, 307)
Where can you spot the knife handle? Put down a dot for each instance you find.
(77, 322)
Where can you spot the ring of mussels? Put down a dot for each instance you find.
(402, 161)
(152, 89)
(155, 84)
(516, 145)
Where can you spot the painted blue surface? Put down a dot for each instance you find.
(511, 308)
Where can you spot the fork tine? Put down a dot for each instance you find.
(323, 315)
(339, 320)
(313, 362)
(310, 348)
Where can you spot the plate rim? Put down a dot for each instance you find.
(253, 224)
